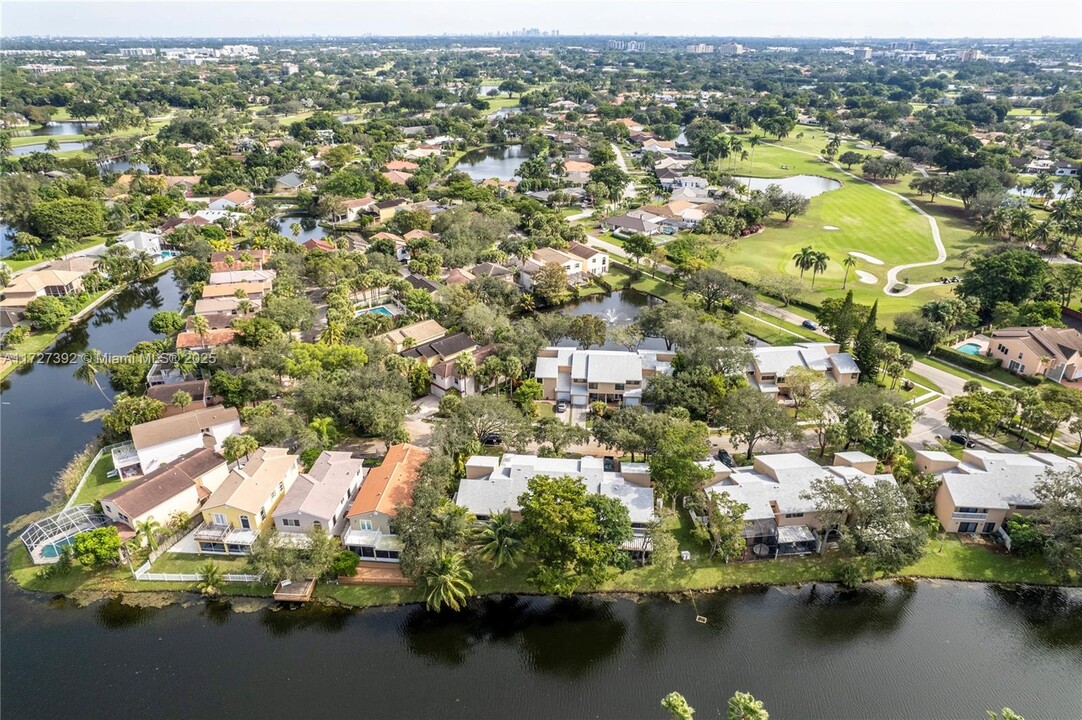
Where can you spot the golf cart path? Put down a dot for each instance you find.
(892, 274)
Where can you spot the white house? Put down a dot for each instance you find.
(178, 487)
(138, 242)
(160, 442)
(321, 496)
(609, 376)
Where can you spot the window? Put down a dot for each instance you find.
(593, 386)
(794, 515)
(219, 519)
(364, 524)
(290, 522)
(967, 527)
(619, 386)
(317, 524)
(262, 514)
(633, 383)
(282, 486)
(245, 522)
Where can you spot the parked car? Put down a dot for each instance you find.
(726, 458)
(561, 406)
(960, 439)
(810, 325)
(491, 439)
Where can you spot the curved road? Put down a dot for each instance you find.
(892, 274)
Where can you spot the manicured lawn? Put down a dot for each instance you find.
(184, 563)
(948, 558)
(500, 102)
(97, 484)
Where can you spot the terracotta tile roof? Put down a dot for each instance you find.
(315, 244)
(401, 165)
(390, 484)
(397, 177)
(214, 338)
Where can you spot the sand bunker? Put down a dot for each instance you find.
(830, 227)
(866, 258)
(866, 277)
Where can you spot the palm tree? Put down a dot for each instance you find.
(1044, 187)
(296, 229)
(1021, 221)
(245, 306)
(820, 260)
(142, 264)
(849, 263)
(186, 362)
(512, 370)
(744, 706)
(325, 430)
(448, 582)
(754, 142)
(93, 364)
(995, 224)
(499, 540)
(333, 334)
(736, 146)
(1044, 234)
(465, 366)
(211, 584)
(149, 529)
(804, 259)
(201, 327)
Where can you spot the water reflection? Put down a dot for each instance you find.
(115, 614)
(549, 632)
(833, 614)
(216, 612)
(1050, 615)
(282, 621)
(497, 162)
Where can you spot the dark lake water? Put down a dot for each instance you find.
(937, 650)
(286, 221)
(496, 162)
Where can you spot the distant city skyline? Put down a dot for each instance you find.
(766, 18)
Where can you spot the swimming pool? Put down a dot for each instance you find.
(52, 550)
(381, 310)
(970, 348)
(167, 254)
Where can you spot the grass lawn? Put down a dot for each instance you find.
(97, 484)
(185, 563)
(946, 557)
(17, 265)
(499, 103)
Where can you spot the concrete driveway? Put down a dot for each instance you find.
(419, 420)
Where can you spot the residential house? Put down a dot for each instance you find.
(239, 260)
(444, 375)
(420, 282)
(251, 289)
(319, 498)
(196, 342)
(780, 520)
(769, 366)
(578, 261)
(197, 389)
(630, 224)
(34, 284)
(243, 505)
(236, 200)
(291, 182)
(355, 207)
(385, 487)
(494, 484)
(594, 261)
(610, 376)
(418, 333)
(242, 276)
(317, 245)
(160, 442)
(488, 269)
(401, 166)
(1066, 169)
(177, 488)
(140, 242)
(396, 177)
(982, 490)
(1055, 353)
(418, 234)
(658, 146)
(690, 181)
(631, 125)
(228, 305)
(401, 249)
(458, 276)
(444, 348)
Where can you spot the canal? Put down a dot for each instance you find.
(943, 650)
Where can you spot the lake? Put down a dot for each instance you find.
(6, 233)
(40, 147)
(496, 162)
(285, 221)
(66, 127)
(944, 650)
(806, 185)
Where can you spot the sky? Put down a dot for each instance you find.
(700, 18)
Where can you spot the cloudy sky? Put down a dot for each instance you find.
(722, 18)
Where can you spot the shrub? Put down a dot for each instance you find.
(850, 574)
(344, 564)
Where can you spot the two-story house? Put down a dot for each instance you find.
(369, 533)
(769, 366)
(320, 497)
(160, 442)
(243, 505)
(610, 376)
(1055, 353)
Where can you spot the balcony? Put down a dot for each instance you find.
(969, 516)
(225, 534)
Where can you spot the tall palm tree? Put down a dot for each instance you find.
(93, 364)
(149, 530)
(1021, 221)
(804, 259)
(499, 540)
(333, 334)
(754, 142)
(186, 362)
(995, 224)
(448, 582)
(1045, 234)
(820, 260)
(142, 264)
(1044, 187)
(201, 327)
(736, 147)
(848, 263)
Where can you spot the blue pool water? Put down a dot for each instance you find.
(53, 550)
(376, 311)
(167, 254)
(969, 349)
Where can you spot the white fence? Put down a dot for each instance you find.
(86, 473)
(143, 573)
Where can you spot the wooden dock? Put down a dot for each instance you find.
(294, 591)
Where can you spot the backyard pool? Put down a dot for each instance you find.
(381, 310)
(970, 348)
(52, 550)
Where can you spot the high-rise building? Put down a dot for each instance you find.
(700, 48)
(730, 48)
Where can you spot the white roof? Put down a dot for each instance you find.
(987, 479)
(779, 359)
(509, 479)
(600, 366)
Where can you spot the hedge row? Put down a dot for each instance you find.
(973, 362)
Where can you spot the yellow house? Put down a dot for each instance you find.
(242, 507)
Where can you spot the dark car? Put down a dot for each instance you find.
(810, 325)
(561, 406)
(609, 463)
(960, 439)
(491, 439)
(726, 458)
